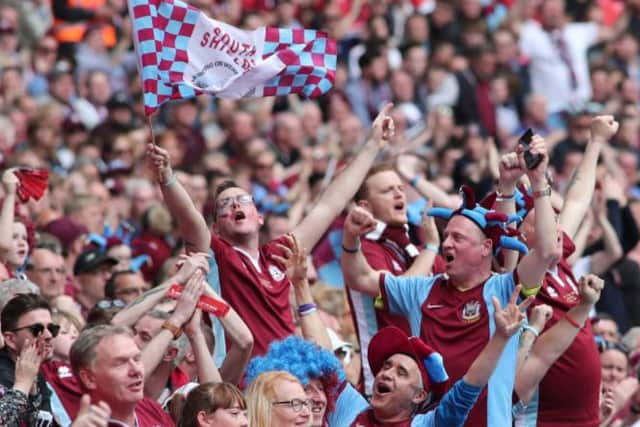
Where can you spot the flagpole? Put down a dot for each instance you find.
(150, 123)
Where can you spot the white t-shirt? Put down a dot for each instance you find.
(550, 76)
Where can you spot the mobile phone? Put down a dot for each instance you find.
(530, 160)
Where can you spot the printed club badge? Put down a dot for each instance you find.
(275, 273)
(64, 372)
(471, 311)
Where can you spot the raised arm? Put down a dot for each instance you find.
(540, 314)
(581, 187)
(344, 186)
(533, 266)
(145, 302)
(241, 339)
(427, 189)
(510, 171)
(206, 368)
(154, 351)
(7, 213)
(191, 223)
(554, 342)
(357, 272)
(295, 259)
(508, 322)
(612, 252)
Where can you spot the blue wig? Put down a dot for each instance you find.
(302, 359)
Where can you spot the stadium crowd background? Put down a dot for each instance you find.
(466, 77)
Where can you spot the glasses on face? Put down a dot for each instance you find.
(242, 199)
(38, 328)
(295, 404)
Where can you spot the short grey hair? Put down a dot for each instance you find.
(83, 350)
(11, 287)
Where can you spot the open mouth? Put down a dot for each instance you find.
(383, 388)
(399, 206)
(448, 258)
(239, 216)
(136, 386)
(317, 407)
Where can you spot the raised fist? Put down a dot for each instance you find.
(359, 222)
(604, 127)
(590, 288)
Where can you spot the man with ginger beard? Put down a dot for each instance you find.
(108, 364)
(387, 248)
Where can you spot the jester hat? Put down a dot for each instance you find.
(392, 340)
(493, 224)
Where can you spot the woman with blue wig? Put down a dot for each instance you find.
(335, 402)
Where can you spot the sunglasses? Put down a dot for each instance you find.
(106, 304)
(38, 328)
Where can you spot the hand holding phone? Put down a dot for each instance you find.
(531, 160)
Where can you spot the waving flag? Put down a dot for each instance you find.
(183, 53)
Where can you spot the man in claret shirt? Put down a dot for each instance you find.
(410, 376)
(577, 372)
(453, 312)
(108, 365)
(388, 248)
(256, 286)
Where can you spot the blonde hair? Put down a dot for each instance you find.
(260, 395)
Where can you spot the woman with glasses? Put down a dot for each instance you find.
(277, 399)
(209, 405)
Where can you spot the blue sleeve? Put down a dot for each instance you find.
(456, 405)
(501, 286)
(349, 404)
(213, 278)
(405, 295)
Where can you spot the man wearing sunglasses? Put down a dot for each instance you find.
(25, 318)
(256, 286)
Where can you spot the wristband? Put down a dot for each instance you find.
(572, 322)
(542, 193)
(530, 292)
(505, 197)
(352, 251)
(414, 181)
(530, 329)
(433, 248)
(175, 330)
(172, 180)
(306, 309)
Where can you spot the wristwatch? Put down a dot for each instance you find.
(542, 193)
(175, 330)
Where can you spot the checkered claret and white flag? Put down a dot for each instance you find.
(183, 53)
